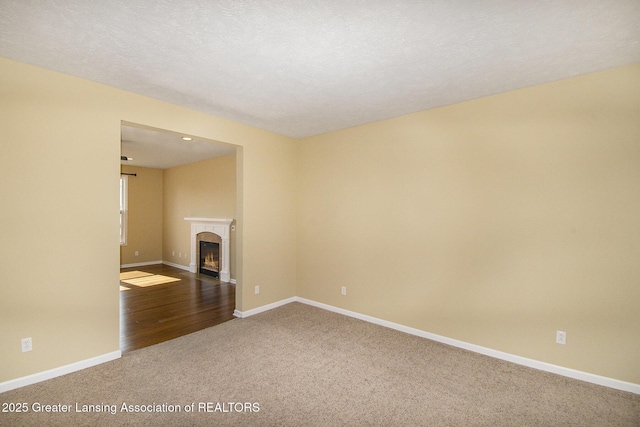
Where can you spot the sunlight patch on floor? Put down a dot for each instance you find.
(150, 280)
(133, 274)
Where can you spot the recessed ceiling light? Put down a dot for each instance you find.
(186, 138)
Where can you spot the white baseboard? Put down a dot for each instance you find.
(543, 366)
(140, 264)
(57, 372)
(172, 264)
(245, 314)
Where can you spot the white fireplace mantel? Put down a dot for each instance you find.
(219, 226)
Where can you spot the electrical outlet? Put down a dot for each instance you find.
(344, 290)
(561, 337)
(173, 253)
(257, 289)
(26, 344)
(135, 253)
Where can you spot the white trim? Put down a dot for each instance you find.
(140, 264)
(543, 366)
(232, 281)
(124, 209)
(519, 360)
(170, 264)
(245, 314)
(173, 264)
(221, 221)
(57, 372)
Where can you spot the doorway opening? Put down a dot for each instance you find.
(162, 190)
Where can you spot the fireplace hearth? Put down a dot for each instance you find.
(209, 259)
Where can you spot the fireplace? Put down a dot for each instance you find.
(209, 259)
(219, 229)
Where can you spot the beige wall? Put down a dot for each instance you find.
(204, 189)
(273, 224)
(144, 230)
(60, 165)
(495, 222)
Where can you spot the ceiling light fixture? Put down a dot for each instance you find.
(125, 158)
(186, 138)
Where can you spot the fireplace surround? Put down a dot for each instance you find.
(219, 226)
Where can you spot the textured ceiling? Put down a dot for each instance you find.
(160, 149)
(302, 68)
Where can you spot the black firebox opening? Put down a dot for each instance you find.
(209, 258)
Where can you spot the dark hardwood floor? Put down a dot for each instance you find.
(153, 314)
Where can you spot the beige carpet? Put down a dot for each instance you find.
(302, 366)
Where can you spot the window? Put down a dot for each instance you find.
(123, 209)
